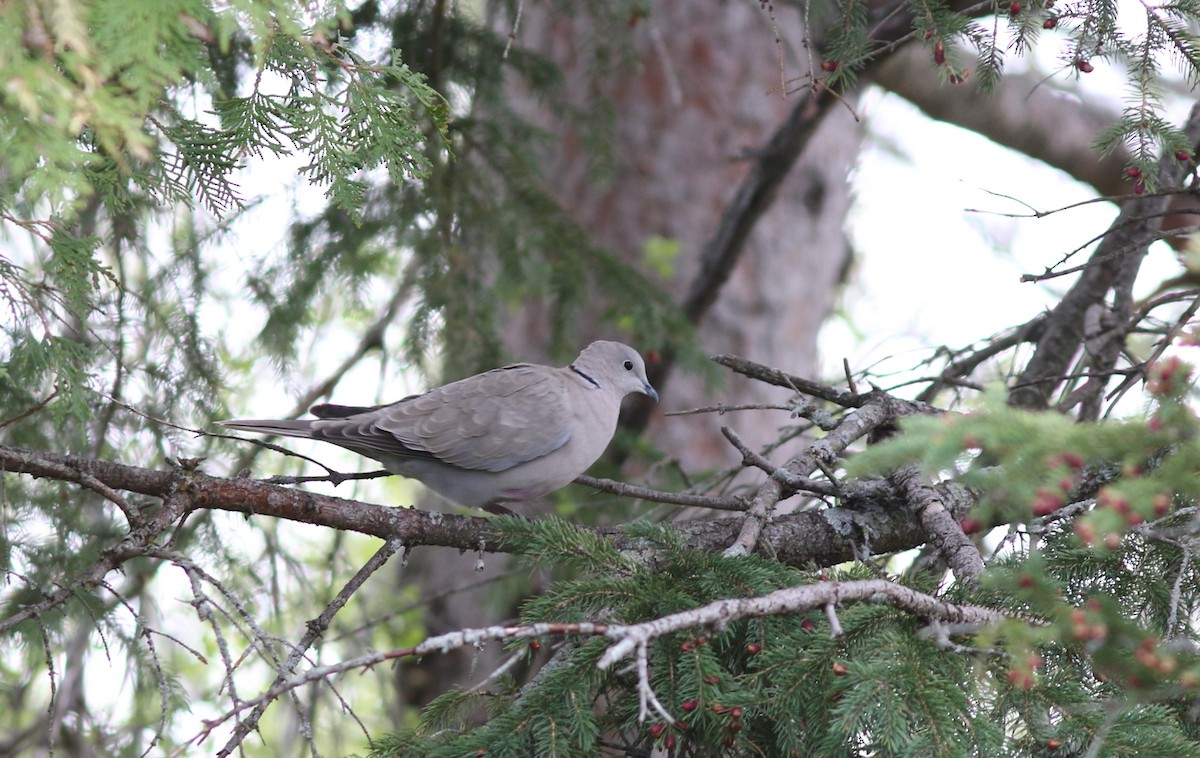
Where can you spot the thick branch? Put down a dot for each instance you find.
(959, 551)
(796, 539)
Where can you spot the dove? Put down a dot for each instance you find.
(510, 434)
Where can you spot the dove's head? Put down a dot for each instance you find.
(616, 366)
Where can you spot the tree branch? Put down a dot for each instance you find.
(796, 539)
(1117, 257)
(793, 600)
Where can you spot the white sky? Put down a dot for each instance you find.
(930, 272)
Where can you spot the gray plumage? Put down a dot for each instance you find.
(513, 433)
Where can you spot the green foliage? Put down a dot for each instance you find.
(761, 686)
(1099, 652)
(127, 125)
(1102, 575)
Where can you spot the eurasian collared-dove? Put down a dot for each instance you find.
(512, 433)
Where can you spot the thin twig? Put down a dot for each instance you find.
(30, 410)
(722, 409)
(792, 482)
(313, 630)
(782, 379)
(621, 489)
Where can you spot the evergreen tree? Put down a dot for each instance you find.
(998, 572)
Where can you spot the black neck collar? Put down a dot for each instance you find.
(590, 380)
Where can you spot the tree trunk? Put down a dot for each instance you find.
(700, 92)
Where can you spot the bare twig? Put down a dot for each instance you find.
(443, 643)
(789, 601)
(30, 410)
(962, 367)
(781, 379)
(313, 630)
(795, 483)
(621, 489)
(722, 409)
(835, 625)
(1130, 234)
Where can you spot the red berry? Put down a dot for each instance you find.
(1053, 744)
(807, 625)
(702, 640)
(1014, 8)
(1133, 172)
(754, 648)
(829, 66)
(669, 742)
(1162, 505)
(1085, 532)
(1026, 580)
(535, 645)
(1085, 67)
(1046, 502)
(686, 645)
(970, 525)
(712, 679)
(1139, 187)
(939, 53)
(1183, 155)
(657, 729)
(735, 712)
(690, 705)
(839, 668)
(1050, 23)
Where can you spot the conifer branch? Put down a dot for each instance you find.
(634, 638)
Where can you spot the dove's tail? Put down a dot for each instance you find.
(271, 426)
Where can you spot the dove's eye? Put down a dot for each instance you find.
(629, 365)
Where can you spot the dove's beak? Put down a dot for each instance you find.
(650, 391)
